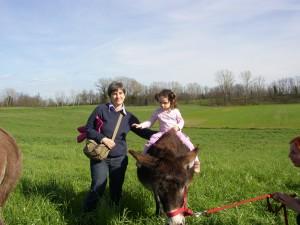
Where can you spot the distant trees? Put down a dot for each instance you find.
(246, 83)
(192, 92)
(225, 81)
(287, 86)
(250, 90)
(10, 97)
(102, 85)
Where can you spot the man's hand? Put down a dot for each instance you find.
(136, 125)
(108, 142)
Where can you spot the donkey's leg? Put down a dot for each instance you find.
(3, 165)
(3, 170)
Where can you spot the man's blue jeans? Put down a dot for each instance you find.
(115, 168)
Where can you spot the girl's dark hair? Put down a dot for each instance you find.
(167, 93)
(114, 86)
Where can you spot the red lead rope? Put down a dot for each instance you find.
(235, 204)
(188, 212)
(217, 209)
(184, 209)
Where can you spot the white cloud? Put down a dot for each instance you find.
(5, 76)
(64, 45)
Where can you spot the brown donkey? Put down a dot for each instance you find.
(167, 171)
(10, 166)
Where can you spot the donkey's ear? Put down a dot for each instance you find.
(188, 158)
(144, 159)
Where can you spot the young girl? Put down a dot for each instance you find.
(169, 117)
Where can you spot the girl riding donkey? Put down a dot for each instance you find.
(169, 117)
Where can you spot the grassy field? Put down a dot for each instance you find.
(243, 155)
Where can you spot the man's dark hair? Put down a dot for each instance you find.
(114, 86)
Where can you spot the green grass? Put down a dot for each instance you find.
(243, 155)
(257, 116)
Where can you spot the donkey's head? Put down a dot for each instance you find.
(168, 178)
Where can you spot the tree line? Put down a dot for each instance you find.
(250, 90)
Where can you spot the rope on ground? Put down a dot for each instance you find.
(273, 209)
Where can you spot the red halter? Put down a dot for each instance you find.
(184, 209)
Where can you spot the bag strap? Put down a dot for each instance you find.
(117, 127)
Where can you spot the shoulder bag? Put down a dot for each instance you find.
(96, 151)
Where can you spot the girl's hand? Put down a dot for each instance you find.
(176, 128)
(136, 125)
(108, 142)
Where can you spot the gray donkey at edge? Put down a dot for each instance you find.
(10, 166)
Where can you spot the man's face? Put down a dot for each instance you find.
(117, 97)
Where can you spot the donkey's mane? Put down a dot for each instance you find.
(168, 146)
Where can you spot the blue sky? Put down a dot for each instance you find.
(49, 47)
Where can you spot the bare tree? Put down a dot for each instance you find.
(254, 89)
(292, 86)
(225, 80)
(102, 86)
(133, 88)
(288, 86)
(258, 86)
(73, 98)
(237, 91)
(246, 83)
(193, 90)
(296, 88)
(92, 97)
(155, 87)
(27, 100)
(60, 98)
(10, 96)
(83, 97)
(176, 87)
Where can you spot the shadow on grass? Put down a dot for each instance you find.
(69, 203)
(134, 208)
(293, 186)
